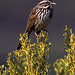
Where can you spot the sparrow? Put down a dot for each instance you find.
(39, 18)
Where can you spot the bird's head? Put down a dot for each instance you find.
(46, 4)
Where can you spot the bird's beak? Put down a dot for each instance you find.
(53, 3)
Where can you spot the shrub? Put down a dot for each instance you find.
(31, 59)
(66, 66)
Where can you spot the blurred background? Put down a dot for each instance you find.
(13, 19)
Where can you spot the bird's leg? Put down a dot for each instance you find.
(36, 36)
(36, 33)
(40, 36)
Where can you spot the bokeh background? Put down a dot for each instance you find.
(13, 19)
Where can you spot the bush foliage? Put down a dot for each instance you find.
(31, 59)
(66, 66)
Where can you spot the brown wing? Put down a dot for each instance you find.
(31, 21)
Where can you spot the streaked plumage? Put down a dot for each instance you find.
(39, 17)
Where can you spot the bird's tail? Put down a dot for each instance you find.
(19, 44)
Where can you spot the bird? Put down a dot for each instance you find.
(39, 18)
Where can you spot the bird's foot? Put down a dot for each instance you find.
(38, 36)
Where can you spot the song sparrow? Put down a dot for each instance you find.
(39, 17)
